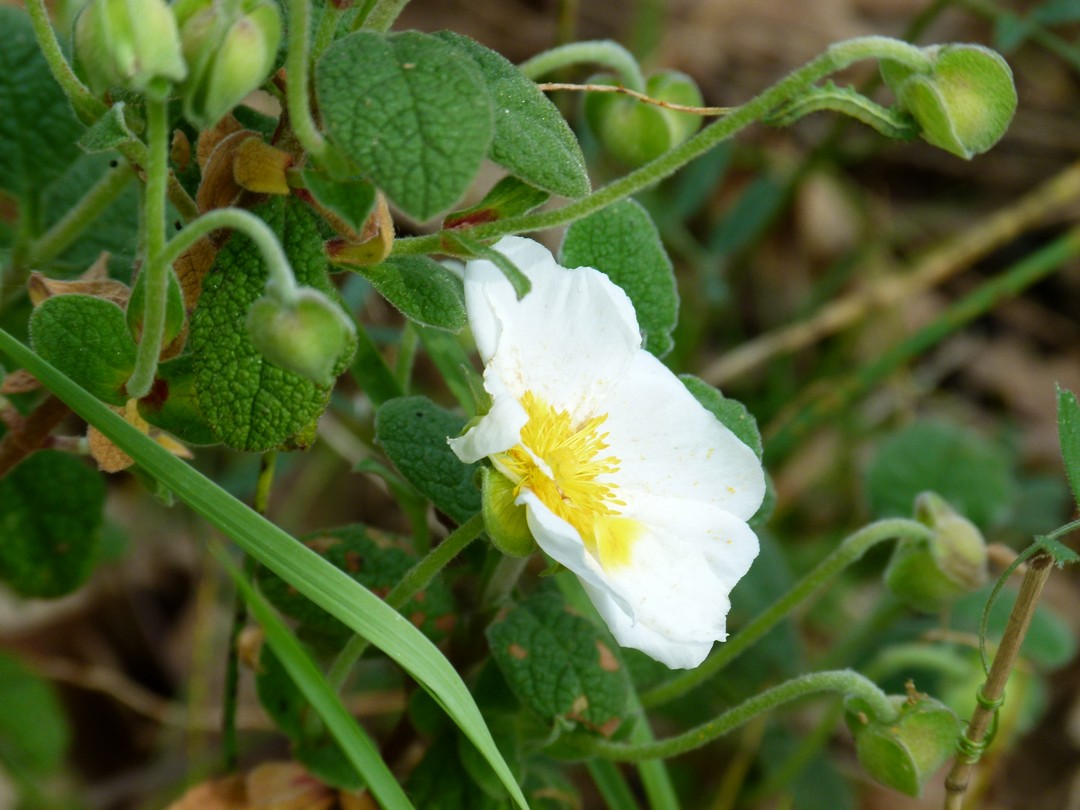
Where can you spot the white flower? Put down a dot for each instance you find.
(626, 479)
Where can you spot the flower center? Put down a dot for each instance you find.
(561, 465)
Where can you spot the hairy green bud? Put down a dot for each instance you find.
(307, 336)
(504, 520)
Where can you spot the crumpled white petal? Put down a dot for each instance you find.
(688, 484)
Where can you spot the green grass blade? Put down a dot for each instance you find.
(322, 583)
(354, 741)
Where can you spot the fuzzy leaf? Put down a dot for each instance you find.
(622, 242)
(353, 201)
(412, 111)
(560, 665)
(509, 197)
(532, 139)
(34, 732)
(421, 289)
(250, 403)
(88, 339)
(38, 129)
(110, 131)
(50, 516)
(413, 432)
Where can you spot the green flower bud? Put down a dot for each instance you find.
(928, 575)
(133, 44)
(231, 49)
(635, 132)
(308, 337)
(504, 520)
(966, 101)
(905, 753)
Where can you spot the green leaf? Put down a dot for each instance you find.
(333, 590)
(109, 132)
(1050, 642)
(517, 279)
(560, 665)
(50, 517)
(34, 731)
(354, 741)
(441, 782)
(352, 200)
(731, 413)
(622, 242)
(173, 404)
(1069, 437)
(509, 197)
(38, 129)
(89, 339)
(250, 403)
(413, 432)
(412, 111)
(971, 473)
(377, 562)
(532, 139)
(455, 366)
(421, 289)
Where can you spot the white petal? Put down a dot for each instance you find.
(668, 445)
(568, 340)
(497, 431)
(671, 600)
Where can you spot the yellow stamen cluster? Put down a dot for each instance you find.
(560, 464)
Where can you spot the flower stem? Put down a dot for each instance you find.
(601, 52)
(992, 692)
(156, 269)
(415, 580)
(282, 282)
(297, 98)
(844, 681)
(850, 549)
(86, 105)
(384, 14)
(836, 57)
(60, 236)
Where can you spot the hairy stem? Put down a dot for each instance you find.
(415, 580)
(297, 98)
(65, 231)
(384, 14)
(845, 682)
(850, 549)
(835, 58)
(604, 52)
(156, 283)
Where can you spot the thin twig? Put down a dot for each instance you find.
(31, 434)
(626, 91)
(956, 784)
(949, 259)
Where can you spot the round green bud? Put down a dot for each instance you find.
(966, 101)
(307, 336)
(231, 50)
(905, 753)
(132, 44)
(504, 520)
(929, 575)
(635, 132)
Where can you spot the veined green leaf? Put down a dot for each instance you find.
(313, 576)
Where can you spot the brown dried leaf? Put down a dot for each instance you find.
(109, 457)
(260, 167)
(356, 801)
(218, 188)
(217, 794)
(19, 381)
(286, 786)
(210, 138)
(191, 268)
(180, 150)
(374, 243)
(94, 281)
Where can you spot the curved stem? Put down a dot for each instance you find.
(604, 52)
(850, 549)
(60, 236)
(282, 282)
(835, 58)
(416, 579)
(297, 97)
(156, 269)
(384, 14)
(86, 105)
(844, 681)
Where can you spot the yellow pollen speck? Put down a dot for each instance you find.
(560, 463)
(731, 490)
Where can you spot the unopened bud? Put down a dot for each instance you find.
(309, 336)
(928, 575)
(905, 753)
(963, 104)
(231, 50)
(133, 44)
(635, 132)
